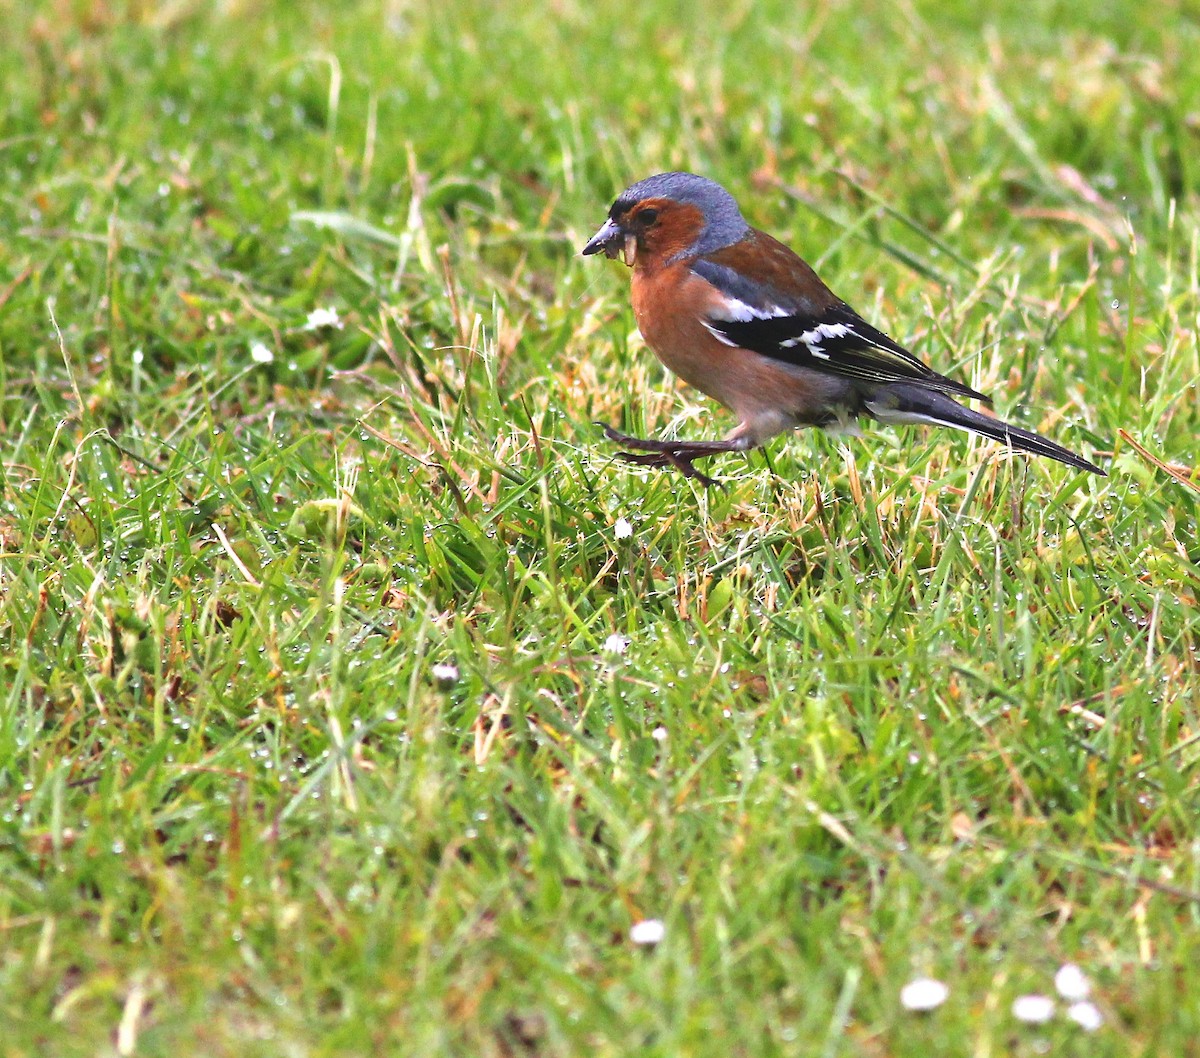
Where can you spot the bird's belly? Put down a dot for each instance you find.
(767, 395)
(689, 350)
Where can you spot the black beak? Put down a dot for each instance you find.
(609, 240)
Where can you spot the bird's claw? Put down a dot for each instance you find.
(669, 459)
(659, 454)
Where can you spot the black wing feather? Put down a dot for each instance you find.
(790, 329)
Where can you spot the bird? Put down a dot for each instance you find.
(744, 319)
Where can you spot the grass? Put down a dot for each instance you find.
(336, 717)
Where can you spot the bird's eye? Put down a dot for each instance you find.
(648, 216)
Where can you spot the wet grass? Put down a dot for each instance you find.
(354, 700)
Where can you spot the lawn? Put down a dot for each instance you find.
(355, 700)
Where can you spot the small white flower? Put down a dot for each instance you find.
(1071, 982)
(319, 318)
(1034, 1009)
(138, 356)
(1085, 1015)
(445, 673)
(659, 734)
(261, 354)
(923, 993)
(648, 931)
(615, 644)
(622, 529)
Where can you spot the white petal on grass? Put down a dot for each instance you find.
(616, 644)
(1071, 982)
(261, 354)
(1085, 1015)
(923, 993)
(1033, 1009)
(319, 318)
(622, 529)
(648, 931)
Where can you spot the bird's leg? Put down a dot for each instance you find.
(677, 454)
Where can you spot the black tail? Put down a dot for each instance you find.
(912, 404)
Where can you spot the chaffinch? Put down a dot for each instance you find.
(741, 317)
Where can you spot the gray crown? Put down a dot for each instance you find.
(724, 223)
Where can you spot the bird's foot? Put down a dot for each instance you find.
(677, 454)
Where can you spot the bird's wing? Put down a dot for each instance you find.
(810, 329)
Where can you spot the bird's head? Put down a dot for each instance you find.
(668, 217)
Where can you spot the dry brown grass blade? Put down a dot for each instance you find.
(1174, 470)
